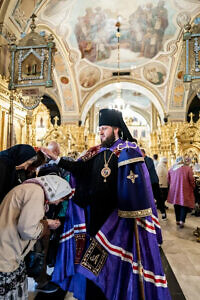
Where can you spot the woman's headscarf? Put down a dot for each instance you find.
(18, 154)
(163, 159)
(54, 186)
(178, 163)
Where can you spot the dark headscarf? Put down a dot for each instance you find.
(18, 154)
(112, 117)
(9, 159)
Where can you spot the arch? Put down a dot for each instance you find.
(194, 107)
(52, 107)
(143, 113)
(111, 85)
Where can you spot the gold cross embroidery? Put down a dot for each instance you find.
(132, 176)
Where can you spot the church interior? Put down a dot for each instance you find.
(62, 61)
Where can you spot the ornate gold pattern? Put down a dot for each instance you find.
(177, 138)
(19, 116)
(80, 241)
(130, 161)
(135, 214)
(94, 258)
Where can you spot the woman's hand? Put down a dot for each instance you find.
(53, 224)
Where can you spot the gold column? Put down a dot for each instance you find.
(10, 125)
(21, 124)
(28, 124)
(3, 115)
(91, 140)
(153, 118)
(91, 119)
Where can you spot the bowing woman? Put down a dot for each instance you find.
(15, 160)
(21, 225)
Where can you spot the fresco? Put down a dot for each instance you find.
(155, 73)
(89, 76)
(56, 12)
(143, 33)
(178, 95)
(66, 87)
(145, 28)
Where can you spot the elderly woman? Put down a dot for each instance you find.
(21, 225)
(181, 190)
(162, 173)
(16, 159)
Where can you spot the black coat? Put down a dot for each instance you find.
(92, 191)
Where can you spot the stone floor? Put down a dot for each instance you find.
(182, 252)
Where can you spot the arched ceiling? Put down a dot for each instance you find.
(87, 55)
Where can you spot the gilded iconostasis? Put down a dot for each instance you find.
(91, 70)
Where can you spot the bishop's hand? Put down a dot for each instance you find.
(48, 153)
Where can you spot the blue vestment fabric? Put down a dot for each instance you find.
(117, 276)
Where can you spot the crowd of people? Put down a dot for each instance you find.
(102, 235)
(175, 186)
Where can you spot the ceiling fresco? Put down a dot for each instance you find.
(145, 28)
(87, 54)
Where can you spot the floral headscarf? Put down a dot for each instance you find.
(54, 186)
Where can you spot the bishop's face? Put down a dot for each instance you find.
(108, 135)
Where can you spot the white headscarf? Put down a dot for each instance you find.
(178, 163)
(54, 186)
(163, 160)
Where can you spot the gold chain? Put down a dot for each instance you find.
(106, 171)
(106, 163)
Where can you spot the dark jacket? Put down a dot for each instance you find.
(151, 168)
(97, 197)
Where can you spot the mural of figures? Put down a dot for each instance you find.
(143, 32)
(155, 73)
(145, 28)
(89, 76)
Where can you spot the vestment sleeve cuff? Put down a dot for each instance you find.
(57, 160)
